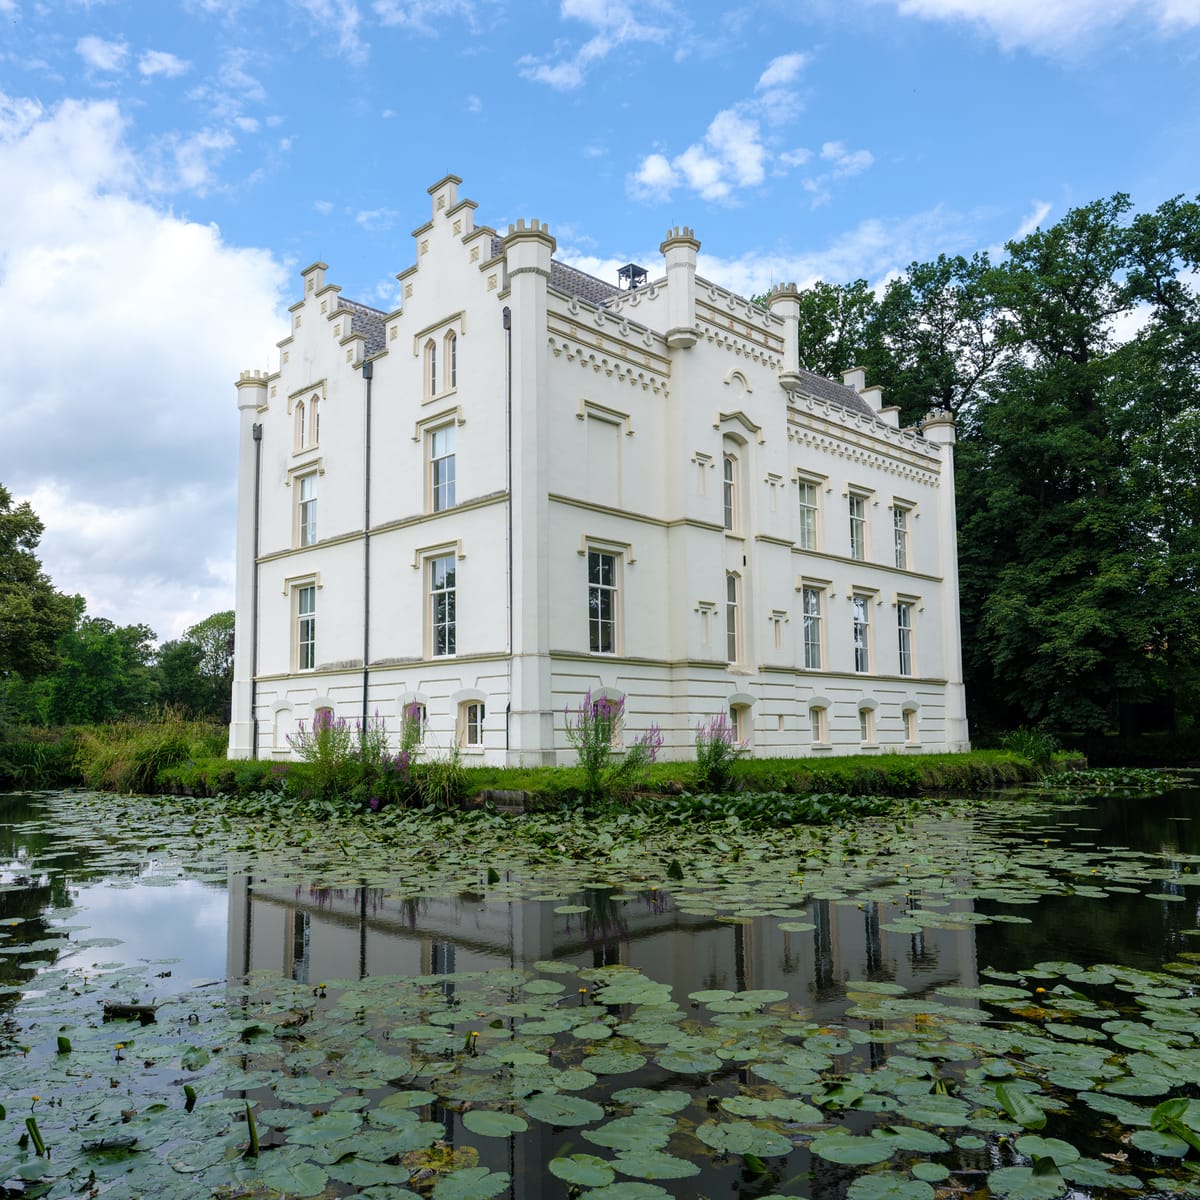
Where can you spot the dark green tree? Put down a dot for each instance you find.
(33, 616)
(104, 675)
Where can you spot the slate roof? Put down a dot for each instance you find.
(834, 393)
(367, 321)
(579, 283)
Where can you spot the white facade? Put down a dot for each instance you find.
(527, 483)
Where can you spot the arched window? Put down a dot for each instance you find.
(729, 490)
(818, 724)
(300, 426)
(314, 421)
(866, 726)
(450, 361)
(470, 724)
(431, 377)
(911, 735)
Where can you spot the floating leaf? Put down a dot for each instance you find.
(489, 1123)
(654, 1164)
(554, 1109)
(471, 1183)
(582, 1170)
(1019, 1106)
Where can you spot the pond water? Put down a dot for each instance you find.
(992, 999)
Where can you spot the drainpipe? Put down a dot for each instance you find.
(506, 320)
(256, 430)
(368, 372)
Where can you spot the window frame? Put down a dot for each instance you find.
(729, 492)
(471, 716)
(443, 631)
(906, 636)
(304, 625)
(450, 360)
(866, 725)
(429, 368)
(818, 724)
(441, 492)
(808, 534)
(734, 646)
(856, 510)
(600, 594)
(306, 509)
(901, 541)
(812, 649)
(861, 631)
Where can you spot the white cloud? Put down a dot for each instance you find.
(845, 162)
(324, 207)
(474, 104)
(102, 55)
(874, 250)
(120, 422)
(615, 25)
(188, 164)
(8, 8)
(1039, 212)
(781, 70)
(734, 153)
(423, 16)
(1059, 26)
(374, 219)
(246, 124)
(162, 62)
(340, 18)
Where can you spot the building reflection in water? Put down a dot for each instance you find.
(314, 934)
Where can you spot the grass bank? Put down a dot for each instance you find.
(174, 756)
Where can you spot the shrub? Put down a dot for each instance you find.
(329, 750)
(593, 732)
(1036, 745)
(442, 782)
(129, 756)
(717, 750)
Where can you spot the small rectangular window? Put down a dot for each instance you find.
(862, 633)
(306, 627)
(471, 725)
(733, 629)
(729, 491)
(441, 468)
(306, 511)
(858, 526)
(442, 605)
(809, 510)
(910, 725)
(602, 602)
(816, 721)
(866, 725)
(900, 536)
(811, 603)
(904, 628)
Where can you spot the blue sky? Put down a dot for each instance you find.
(167, 166)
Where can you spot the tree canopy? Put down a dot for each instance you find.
(1073, 365)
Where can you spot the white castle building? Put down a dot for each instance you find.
(527, 483)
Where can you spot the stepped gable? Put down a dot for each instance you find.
(834, 393)
(367, 321)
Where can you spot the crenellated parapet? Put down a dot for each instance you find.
(252, 390)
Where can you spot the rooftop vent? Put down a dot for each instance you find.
(631, 276)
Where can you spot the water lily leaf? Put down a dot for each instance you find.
(841, 1146)
(192, 1157)
(582, 1170)
(649, 1100)
(934, 1109)
(889, 1186)
(627, 1190)
(743, 1137)
(193, 1058)
(654, 1164)
(407, 1099)
(920, 1141)
(361, 1174)
(556, 1109)
(686, 1061)
(1155, 1142)
(1020, 1107)
(1053, 1148)
(295, 1179)
(643, 1131)
(930, 1172)
(614, 1062)
(489, 1123)
(471, 1183)
(1025, 1183)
